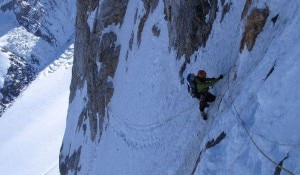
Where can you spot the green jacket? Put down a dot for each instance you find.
(203, 84)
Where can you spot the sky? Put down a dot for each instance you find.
(154, 125)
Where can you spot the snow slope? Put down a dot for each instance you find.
(154, 126)
(259, 111)
(31, 130)
(32, 35)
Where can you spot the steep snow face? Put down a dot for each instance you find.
(130, 112)
(32, 35)
(258, 109)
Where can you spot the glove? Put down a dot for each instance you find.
(220, 77)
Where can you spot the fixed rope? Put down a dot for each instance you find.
(274, 141)
(145, 140)
(156, 124)
(251, 138)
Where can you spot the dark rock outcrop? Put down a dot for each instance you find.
(38, 17)
(71, 163)
(216, 141)
(29, 15)
(190, 24)
(98, 63)
(95, 61)
(255, 24)
(18, 76)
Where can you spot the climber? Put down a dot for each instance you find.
(198, 86)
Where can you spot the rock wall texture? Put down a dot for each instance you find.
(190, 24)
(95, 61)
(96, 57)
(97, 53)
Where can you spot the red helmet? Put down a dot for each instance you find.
(201, 74)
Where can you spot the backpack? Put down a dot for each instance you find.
(191, 85)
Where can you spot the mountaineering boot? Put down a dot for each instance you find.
(204, 115)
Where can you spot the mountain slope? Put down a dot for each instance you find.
(32, 129)
(147, 123)
(32, 35)
(36, 53)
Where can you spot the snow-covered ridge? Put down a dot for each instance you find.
(31, 130)
(36, 55)
(32, 35)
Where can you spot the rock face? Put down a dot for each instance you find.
(255, 24)
(27, 13)
(38, 17)
(18, 76)
(190, 24)
(96, 64)
(97, 55)
(94, 67)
